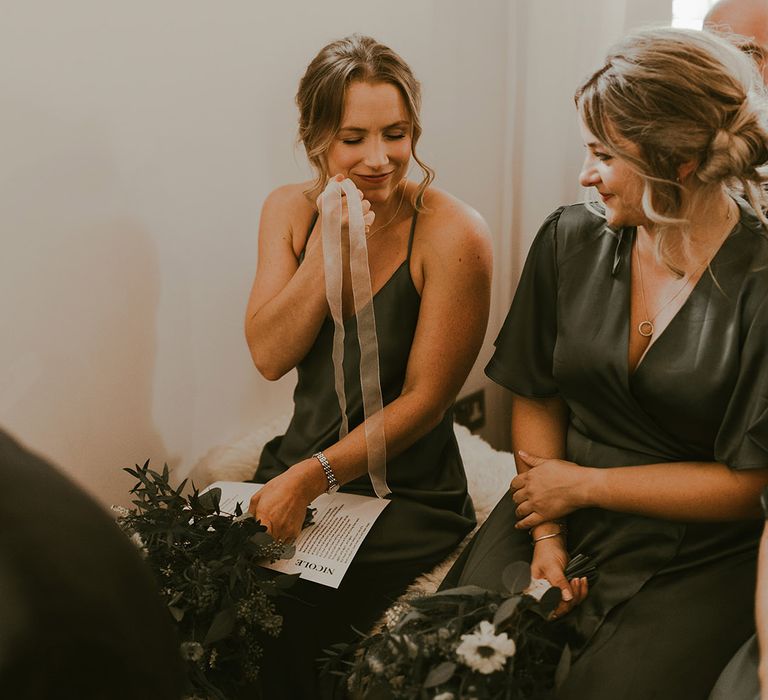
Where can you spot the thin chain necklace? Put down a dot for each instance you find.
(397, 211)
(646, 327)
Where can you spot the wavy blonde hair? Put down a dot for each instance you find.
(681, 96)
(322, 91)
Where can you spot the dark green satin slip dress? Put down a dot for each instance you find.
(429, 513)
(674, 600)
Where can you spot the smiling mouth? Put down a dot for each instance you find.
(374, 178)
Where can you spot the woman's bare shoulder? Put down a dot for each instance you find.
(446, 219)
(287, 213)
(291, 198)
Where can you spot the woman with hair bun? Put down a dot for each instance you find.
(636, 351)
(430, 265)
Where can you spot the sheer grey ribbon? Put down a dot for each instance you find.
(370, 382)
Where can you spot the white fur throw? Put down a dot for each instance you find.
(488, 475)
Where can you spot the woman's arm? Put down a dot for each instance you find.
(453, 255)
(287, 303)
(539, 426)
(686, 491)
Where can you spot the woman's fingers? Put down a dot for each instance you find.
(530, 521)
(278, 529)
(254, 503)
(520, 496)
(523, 509)
(579, 588)
(566, 591)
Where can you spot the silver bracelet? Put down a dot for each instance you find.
(333, 484)
(546, 537)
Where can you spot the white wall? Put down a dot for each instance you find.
(138, 142)
(553, 46)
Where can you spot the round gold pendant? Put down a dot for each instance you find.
(645, 328)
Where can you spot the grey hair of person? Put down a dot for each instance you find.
(682, 98)
(322, 92)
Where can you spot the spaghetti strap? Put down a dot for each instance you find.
(410, 235)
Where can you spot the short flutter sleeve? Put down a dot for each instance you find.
(742, 441)
(522, 361)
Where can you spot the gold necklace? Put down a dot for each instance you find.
(397, 211)
(646, 327)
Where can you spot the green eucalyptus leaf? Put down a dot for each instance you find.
(461, 591)
(505, 611)
(262, 539)
(222, 626)
(286, 551)
(176, 613)
(516, 576)
(286, 580)
(409, 617)
(440, 674)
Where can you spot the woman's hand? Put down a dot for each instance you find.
(368, 214)
(281, 505)
(549, 561)
(549, 490)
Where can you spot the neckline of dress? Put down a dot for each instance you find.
(398, 269)
(632, 234)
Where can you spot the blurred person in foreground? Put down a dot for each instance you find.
(80, 616)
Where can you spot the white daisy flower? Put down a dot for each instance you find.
(485, 651)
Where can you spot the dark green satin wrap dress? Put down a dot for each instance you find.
(429, 513)
(674, 600)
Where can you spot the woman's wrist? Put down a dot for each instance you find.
(552, 544)
(550, 531)
(592, 486)
(310, 478)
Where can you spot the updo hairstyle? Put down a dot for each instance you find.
(322, 92)
(681, 96)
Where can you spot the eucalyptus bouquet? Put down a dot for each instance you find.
(207, 567)
(463, 643)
